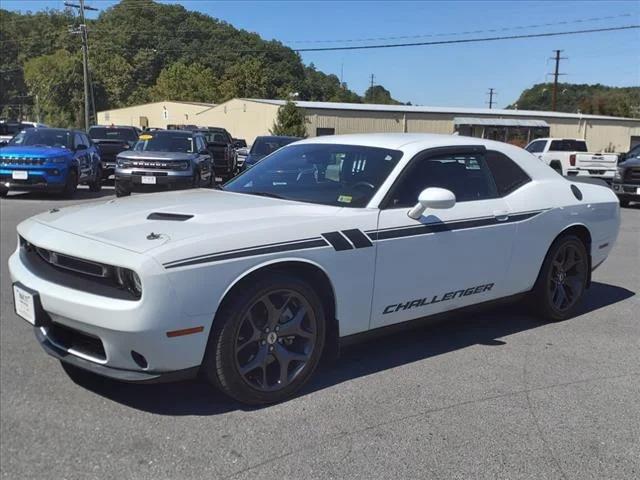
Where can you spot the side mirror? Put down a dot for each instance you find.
(81, 147)
(432, 197)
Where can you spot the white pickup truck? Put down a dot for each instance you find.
(569, 157)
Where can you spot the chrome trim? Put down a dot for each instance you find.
(101, 361)
(54, 259)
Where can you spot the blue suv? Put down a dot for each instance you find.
(50, 159)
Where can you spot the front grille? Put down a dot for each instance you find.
(155, 164)
(71, 339)
(155, 174)
(72, 263)
(632, 175)
(5, 161)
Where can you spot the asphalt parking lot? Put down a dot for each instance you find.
(496, 394)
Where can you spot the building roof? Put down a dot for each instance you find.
(201, 104)
(500, 122)
(371, 107)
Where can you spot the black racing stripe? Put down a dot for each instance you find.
(358, 238)
(337, 241)
(247, 250)
(303, 245)
(410, 231)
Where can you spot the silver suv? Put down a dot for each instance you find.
(167, 158)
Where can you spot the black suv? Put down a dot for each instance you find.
(111, 141)
(626, 183)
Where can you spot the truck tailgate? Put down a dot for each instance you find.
(596, 160)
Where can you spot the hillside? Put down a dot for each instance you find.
(143, 51)
(591, 99)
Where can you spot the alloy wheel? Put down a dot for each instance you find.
(567, 277)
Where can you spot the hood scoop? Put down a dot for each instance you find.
(172, 217)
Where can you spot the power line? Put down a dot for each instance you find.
(473, 32)
(467, 40)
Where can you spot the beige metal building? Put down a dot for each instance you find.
(155, 115)
(248, 118)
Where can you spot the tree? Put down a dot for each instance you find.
(181, 82)
(57, 80)
(379, 94)
(248, 78)
(291, 121)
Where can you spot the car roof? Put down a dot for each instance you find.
(286, 137)
(180, 132)
(113, 126)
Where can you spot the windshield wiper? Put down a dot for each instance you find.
(267, 194)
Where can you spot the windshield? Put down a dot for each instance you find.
(43, 138)
(268, 145)
(122, 134)
(165, 142)
(328, 174)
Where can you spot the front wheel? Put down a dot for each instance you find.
(624, 203)
(122, 190)
(267, 340)
(96, 184)
(196, 180)
(562, 279)
(71, 184)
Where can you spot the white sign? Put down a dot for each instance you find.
(19, 175)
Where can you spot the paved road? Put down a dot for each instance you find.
(493, 395)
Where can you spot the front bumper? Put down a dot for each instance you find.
(626, 191)
(115, 327)
(47, 177)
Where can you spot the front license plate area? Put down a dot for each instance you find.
(19, 175)
(27, 305)
(148, 180)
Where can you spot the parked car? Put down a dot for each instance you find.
(626, 183)
(167, 158)
(251, 285)
(50, 159)
(242, 154)
(9, 129)
(111, 140)
(221, 147)
(265, 145)
(570, 157)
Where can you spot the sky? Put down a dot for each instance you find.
(445, 75)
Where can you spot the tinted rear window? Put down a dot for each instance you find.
(568, 146)
(124, 134)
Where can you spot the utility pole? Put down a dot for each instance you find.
(372, 78)
(491, 93)
(556, 74)
(85, 55)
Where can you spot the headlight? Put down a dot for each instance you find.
(130, 280)
(182, 165)
(619, 174)
(58, 160)
(122, 163)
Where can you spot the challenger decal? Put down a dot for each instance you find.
(423, 302)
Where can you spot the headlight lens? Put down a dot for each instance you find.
(58, 160)
(122, 163)
(130, 280)
(619, 174)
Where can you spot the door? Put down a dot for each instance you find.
(82, 157)
(448, 258)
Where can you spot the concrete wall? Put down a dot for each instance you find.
(159, 114)
(242, 118)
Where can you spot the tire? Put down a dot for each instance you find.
(4, 193)
(562, 279)
(249, 356)
(122, 190)
(71, 184)
(96, 184)
(196, 180)
(624, 203)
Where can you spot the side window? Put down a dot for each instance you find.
(507, 174)
(536, 147)
(85, 140)
(77, 140)
(466, 175)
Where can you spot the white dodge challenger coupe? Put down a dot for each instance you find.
(324, 239)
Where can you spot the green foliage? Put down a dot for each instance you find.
(182, 82)
(291, 121)
(57, 81)
(379, 94)
(589, 99)
(141, 50)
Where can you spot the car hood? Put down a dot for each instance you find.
(44, 152)
(143, 222)
(138, 155)
(630, 162)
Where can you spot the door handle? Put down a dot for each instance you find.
(501, 216)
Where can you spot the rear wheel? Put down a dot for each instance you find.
(267, 340)
(122, 190)
(71, 185)
(563, 279)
